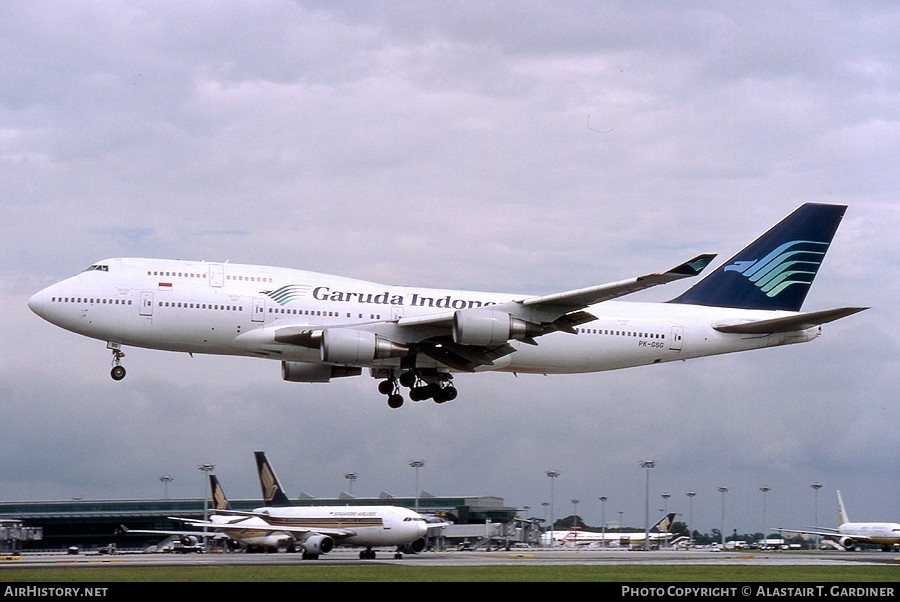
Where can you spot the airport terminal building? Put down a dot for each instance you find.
(477, 521)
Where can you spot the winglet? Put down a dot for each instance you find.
(694, 266)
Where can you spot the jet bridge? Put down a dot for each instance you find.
(13, 532)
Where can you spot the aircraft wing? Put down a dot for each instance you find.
(823, 532)
(543, 314)
(560, 304)
(242, 526)
(201, 534)
(581, 298)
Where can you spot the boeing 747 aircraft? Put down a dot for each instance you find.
(321, 326)
(635, 539)
(849, 534)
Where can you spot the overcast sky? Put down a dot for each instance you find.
(528, 147)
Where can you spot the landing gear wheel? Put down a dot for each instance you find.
(395, 401)
(408, 378)
(447, 393)
(117, 372)
(419, 393)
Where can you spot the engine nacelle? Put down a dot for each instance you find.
(304, 372)
(848, 543)
(490, 327)
(346, 346)
(413, 547)
(316, 544)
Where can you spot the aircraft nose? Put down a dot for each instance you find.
(36, 303)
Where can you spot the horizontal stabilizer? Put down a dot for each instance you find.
(790, 323)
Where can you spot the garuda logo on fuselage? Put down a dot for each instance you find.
(288, 293)
(794, 262)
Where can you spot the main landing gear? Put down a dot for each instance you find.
(437, 386)
(118, 371)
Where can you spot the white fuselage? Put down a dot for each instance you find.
(235, 309)
(885, 534)
(371, 525)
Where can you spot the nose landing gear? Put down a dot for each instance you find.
(118, 371)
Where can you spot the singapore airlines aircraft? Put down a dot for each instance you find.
(321, 326)
(575, 537)
(315, 530)
(848, 534)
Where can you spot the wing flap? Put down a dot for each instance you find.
(800, 321)
(465, 358)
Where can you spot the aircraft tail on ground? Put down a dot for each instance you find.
(665, 524)
(777, 269)
(219, 501)
(842, 512)
(273, 494)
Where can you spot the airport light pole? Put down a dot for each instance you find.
(575, 513)
(764, 490)
(603, 499)
(816, 486)
(206, 469)
(417, 464)
(665, 497)
(723, 491)
(165, 480)
(691, 495)
(351, 476)
(552, 474)
(647, 465)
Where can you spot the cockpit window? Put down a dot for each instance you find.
(98, 266)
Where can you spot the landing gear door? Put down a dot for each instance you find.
(677, 338)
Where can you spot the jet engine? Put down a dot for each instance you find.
(347, 346)
(413, 547)
(490, 327)
(847, 543)
(315, 544)
(304, 372)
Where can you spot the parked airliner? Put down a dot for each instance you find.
(316, 530)
(576, 537)
(321, 326)
(849, 534)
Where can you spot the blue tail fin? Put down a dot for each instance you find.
(273, 494)
(776, 270)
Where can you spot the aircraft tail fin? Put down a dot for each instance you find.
(219, 501)
(665, 524)
(777, 269)
(842, 512)
(273, 494)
